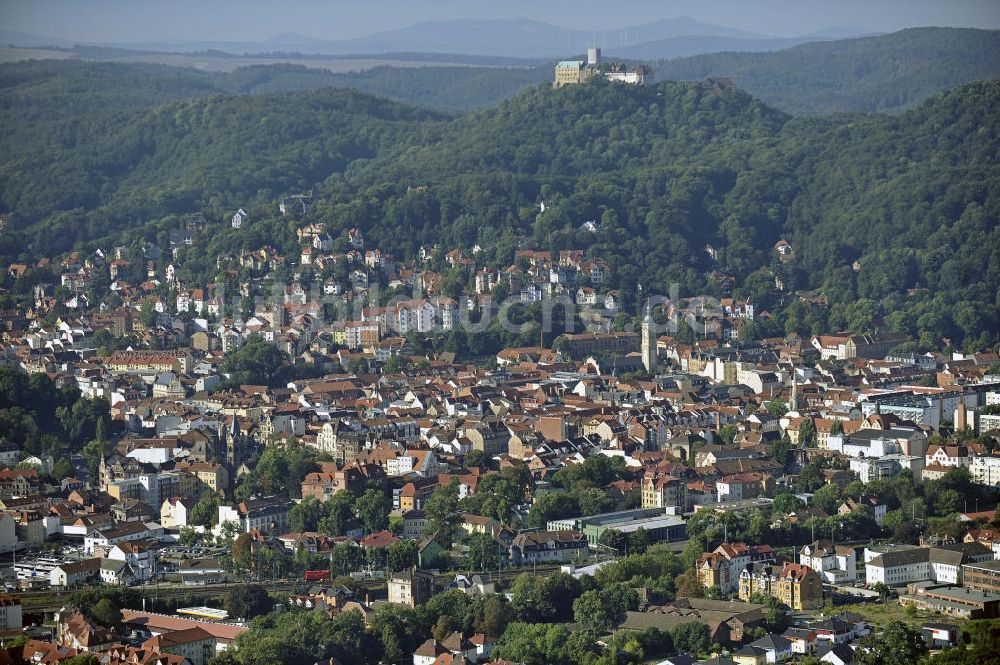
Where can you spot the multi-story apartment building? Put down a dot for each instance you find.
(985, 469)
(661, 491)
(489, 436)
(721, 567)
(268, 515)
(739, 486)
(411, 587)
(795, 585)
(322, 485)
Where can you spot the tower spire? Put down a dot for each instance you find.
(649, 360)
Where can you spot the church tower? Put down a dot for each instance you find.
(648, 344)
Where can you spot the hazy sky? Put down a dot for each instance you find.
(253, 20)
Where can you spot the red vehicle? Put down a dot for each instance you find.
(317, 576)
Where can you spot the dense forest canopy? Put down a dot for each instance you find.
(882, 73)
(892, 217)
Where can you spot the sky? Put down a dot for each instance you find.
(256, 20)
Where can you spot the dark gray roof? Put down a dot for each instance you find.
(901, 558)
(772, 641)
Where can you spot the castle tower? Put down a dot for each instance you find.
(648, 344)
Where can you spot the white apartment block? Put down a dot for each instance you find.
(985, 469)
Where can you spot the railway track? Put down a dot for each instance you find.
(51, 601)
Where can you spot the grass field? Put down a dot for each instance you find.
(8, 54)
(879, 613)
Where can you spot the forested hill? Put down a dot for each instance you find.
(914, 198)
(44, 88)
(867, 74)
(100, 174)
(879, 73)
(661, 170)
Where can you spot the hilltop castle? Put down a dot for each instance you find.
(578, 71)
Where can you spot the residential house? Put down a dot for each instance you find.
(547, 547)
(74, 573)
(175, 512)
(411, 587)
(835, 564)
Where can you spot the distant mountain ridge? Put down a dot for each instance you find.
(523, 38)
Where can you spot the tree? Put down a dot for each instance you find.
(828, 498)
(257, 362)
(402, 554)
(980, 644)
(62, 468)
(188, 536)
(442, 510)
(593, 501)
(399, 629)
(483, 553)
(811, 477)
(638, 541)
(689, 586)
(373, 510)
(728, 433)
(545, 643)
(947, 502)
(339, 511)
(397, 364)
(242, 553)
(692, 637)
(496, 615)
(206, 512)
(614, 539)
(497, 495)
(247, 601)
(345, 558)
(604, 608)
(305, 515)
(807, 433)
(475, 458)
(781, 451)
(550, 506)
(785, 503)
(301, 638)
(106, 613)
(548, 599)
(897, 643)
